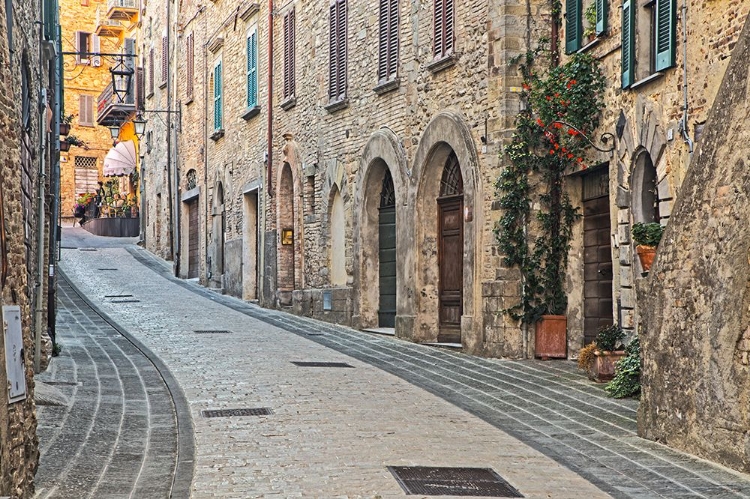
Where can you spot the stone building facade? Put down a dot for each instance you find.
(84, 80)
(297, 224)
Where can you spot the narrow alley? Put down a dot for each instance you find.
(147, 357)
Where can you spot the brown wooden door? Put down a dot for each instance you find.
(194, 258)
(597, 259)
(450, 262)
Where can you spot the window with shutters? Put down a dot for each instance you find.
(251, 47)
(150, 73)
(289, 54)
(388, 41)
(584, 20)
(337, 63)
(648, 40)
(164, 62)
(443, 38)
(190, 66)
(140, 89)
(216, 86)
(83, 46)
(86, 110)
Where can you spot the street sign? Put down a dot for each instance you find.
(14, 365)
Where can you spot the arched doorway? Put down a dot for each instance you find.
(218, 226)
(450, 207)
(287, 243)
(337, 253)
(387, 253)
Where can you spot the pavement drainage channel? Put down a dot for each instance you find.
(320, 364)
(125, 301)
(106, 269)
(211, 331)
(118, 296)
(435, 481)
(225, 413)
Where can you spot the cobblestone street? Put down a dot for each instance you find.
(144, 353)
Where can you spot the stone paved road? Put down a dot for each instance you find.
(541, 425)
(117, 436)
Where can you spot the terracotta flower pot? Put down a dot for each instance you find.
(603, 369)
(646, 254)
(551, 337)
(64, 128)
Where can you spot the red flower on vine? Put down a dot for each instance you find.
(540, 122)
(558, 125)
(571, 83)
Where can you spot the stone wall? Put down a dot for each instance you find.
(694, 306)
(19, 453)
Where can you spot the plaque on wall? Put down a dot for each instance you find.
(14, 364)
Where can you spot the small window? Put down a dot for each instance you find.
(86, 110)
(337, 64)
(289, 69)
(252, 68)
(218, 111)
(164, 61)
(83, 47)
(443, 29)
(388, 41)
(190, 49)
(648, 39)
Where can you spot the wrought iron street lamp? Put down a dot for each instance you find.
(122, 76)
(139, 123)
(114, 131)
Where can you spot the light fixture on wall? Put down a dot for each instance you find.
(122, 76)
(114, 131)
(139, 123)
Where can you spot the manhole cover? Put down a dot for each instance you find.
(320, 364)
(452, 481)
(211, 331)
(225, 413)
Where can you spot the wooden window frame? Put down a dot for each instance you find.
(251, 46)
(80, 59)
(443, 24)
(218, 80)
(337, 55)
(86, 110)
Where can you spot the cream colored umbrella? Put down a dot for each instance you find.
(120, 160)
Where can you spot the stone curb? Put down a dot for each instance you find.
(184, 469)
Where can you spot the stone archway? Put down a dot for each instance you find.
(382, 156)
(447, 141)
(645, 194)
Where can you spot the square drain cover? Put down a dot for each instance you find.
(452, 481)
(212, 331)
(225, 413)
(320, 364)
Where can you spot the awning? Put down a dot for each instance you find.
(120, 160)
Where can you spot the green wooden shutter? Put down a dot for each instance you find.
(217, 97)
(628, 43)
(573, 26)
(252, 70)
(601, 16)
(666, 21)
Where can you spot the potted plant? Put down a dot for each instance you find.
(608, 350)
(589, 14)
(74, 141)
(627, 379)
(65, 123)
(536, 228)
(646, 237)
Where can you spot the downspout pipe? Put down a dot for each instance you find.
(269, 153)
(42, 109)
(684, 121)
(169, 136)
(55, 190)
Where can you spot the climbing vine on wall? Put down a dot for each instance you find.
(562, 105)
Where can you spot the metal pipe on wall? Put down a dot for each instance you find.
(38, 325)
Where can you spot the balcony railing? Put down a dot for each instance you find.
(122, 9)
(107, 27)
(109, 109)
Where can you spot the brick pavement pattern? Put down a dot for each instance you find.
(117, 436)
(541, 425)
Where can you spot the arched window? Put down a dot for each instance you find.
(452, 184)
(388, 193)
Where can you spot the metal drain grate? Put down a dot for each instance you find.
(468, 482)
(125, 301)
(62, 383)
(226, 413)
(106, 269)
(118, 296)
(211, 331)
(320, 364)
(87, 249)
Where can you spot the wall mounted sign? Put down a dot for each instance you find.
(14, 365)
(287, 236)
